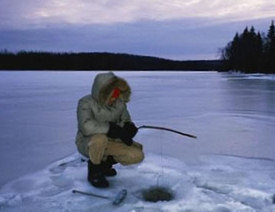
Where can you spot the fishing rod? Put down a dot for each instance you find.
(116, 200)
(167, 129)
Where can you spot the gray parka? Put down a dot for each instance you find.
(93, 112)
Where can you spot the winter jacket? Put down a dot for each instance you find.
(94, 113)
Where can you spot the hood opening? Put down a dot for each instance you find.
(105, 83)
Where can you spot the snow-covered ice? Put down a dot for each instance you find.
(219, 183)
(230, 167)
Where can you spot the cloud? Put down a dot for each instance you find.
(191, 29)
(180, 39)
(35, 13)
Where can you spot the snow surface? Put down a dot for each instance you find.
(219, 183)
(230, 167)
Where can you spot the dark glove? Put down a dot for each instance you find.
(130, 129)
(127, 140)
(116, 131)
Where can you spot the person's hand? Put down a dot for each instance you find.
(115, 131)
(130, 129)
(127, 140)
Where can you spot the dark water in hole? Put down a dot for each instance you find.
(155, 194)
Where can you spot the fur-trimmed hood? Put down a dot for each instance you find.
(105, 83)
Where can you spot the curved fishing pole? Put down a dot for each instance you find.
(166, 129)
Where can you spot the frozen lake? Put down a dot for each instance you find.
(232, 114)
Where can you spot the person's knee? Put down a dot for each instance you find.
(135, 156)
(98, 140)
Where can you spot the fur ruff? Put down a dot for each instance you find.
(106, 91)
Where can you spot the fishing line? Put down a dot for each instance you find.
(160, 175)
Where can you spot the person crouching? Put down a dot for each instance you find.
(105, 129)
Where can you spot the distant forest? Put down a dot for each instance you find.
(251, 52)
(97, 61)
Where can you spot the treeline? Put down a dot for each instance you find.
(96, 61)
(251, 52)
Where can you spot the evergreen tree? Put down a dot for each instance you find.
(235, 52)
(230, 53)
(271, 32)
(270, 49)
(254, 51)
(259, 51)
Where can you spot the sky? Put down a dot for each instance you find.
(175, 29)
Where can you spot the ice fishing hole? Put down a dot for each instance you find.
(156, 193)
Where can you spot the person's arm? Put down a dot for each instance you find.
(128, 125)
(125, 116)
(86, 121)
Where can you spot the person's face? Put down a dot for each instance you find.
(114, 96)
(111, 100)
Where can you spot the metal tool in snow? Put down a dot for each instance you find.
(121, 195)
(166, 129)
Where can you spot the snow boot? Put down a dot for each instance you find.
(108, 169)
(96, 176)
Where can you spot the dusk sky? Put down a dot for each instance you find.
(176, 29)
